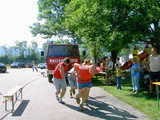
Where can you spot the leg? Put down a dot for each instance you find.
(151, 87)
(84, 97)
(155, 85)
(63, 92)
(133, 82)
(71, 90)
(118, 83)
(79, 95)
(36, 69)
(85, 94)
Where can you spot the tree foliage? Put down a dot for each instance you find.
(109, 24)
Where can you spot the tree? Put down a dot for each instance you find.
(136, 20)
(21, 47)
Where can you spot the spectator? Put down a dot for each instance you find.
(110, 67)
(135, 75)
(34, 66)
(103, 65)
(118, 72)
(117, 62)
(59, 79)
(154, 71)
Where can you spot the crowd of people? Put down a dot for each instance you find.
(80, 76)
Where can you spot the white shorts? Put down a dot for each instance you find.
(59, 83)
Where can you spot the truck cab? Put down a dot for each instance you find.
(57, 52)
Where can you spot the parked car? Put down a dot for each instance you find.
(43, 66)
(22, 65)
(40, 64)
(3, 68)
(30, 65)
(15, 65)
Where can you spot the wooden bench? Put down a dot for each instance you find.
(13, 95)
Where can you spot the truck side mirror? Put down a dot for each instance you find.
(42, 53)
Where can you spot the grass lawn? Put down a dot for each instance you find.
(140, 101)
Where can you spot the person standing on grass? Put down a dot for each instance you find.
(154, 69)
(72, 81)
(118, 74)
(84, 72)
(59, 79)
(135, 75)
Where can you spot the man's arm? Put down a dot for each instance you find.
(63, 73)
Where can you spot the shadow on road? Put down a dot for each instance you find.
(19, 111)
(100, 109)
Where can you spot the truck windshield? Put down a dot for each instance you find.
(63, 51)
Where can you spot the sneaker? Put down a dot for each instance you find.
(61, 101)
(81, 107)
(133, 91)
(57, 97)
(136, 92)
(77, 100)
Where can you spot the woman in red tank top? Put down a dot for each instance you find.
(85, 72)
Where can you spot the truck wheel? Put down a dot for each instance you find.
(50, 78)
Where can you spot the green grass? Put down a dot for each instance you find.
(140, 101)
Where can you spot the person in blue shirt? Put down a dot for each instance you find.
(135, 75)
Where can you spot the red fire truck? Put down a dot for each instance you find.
(57, 52)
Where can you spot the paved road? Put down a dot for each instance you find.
(39, 102)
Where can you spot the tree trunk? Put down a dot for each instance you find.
(114, 55)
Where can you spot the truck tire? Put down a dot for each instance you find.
(50, 78)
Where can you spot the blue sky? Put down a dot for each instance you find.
(16, 16)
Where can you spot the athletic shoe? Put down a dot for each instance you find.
(133, 91)
(81, 107)
(78, 100)
(57, 97)
(61, 101)
(136, 92)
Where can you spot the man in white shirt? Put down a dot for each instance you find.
(154, 69)
(110, 66)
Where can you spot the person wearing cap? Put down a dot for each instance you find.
(59, 79)
(84, 74)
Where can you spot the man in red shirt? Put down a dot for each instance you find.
(59, 78)
(84, 73)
